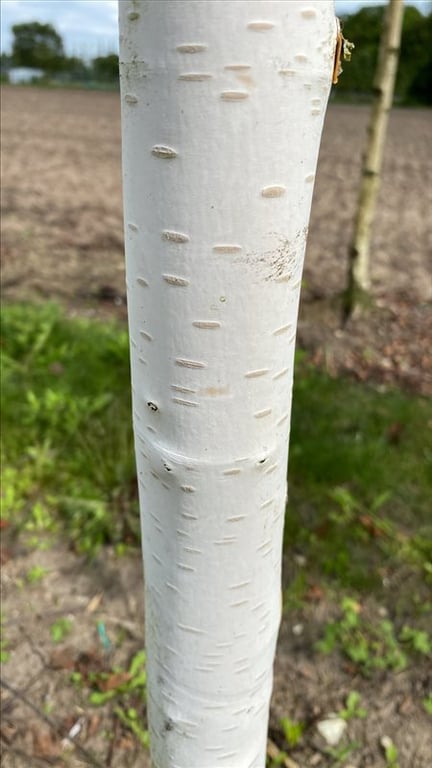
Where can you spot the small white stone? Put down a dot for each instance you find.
(332, 729)
(297, 629)
(386, 742)
(300, 560)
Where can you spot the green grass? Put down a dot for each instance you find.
(359, 499)
(340, 434)
(67, 456)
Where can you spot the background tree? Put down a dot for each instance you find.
(76, 70)
(364, 27)
(5, 65)
(359, 266)
(414, 78)
(106, 68)
(37, 45)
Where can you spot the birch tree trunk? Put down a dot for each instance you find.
(222, 111)
(388, 57)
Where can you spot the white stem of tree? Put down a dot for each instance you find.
(384, 83)
(223, 105)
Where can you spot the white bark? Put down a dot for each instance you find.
(222, 110)
(384, 83)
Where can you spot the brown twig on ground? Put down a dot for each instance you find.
(82, 752)
(274, 753)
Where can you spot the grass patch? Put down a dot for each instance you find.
(67, 453)
(359, 498)
(359, 503)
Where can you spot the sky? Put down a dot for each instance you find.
(89, 27)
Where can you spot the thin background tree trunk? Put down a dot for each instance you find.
(223, 105)
(359, 255)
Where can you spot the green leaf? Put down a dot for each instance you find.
(60, 629)
(292, 731)
(137, 663)
(418, 639)
(380, 500)
(97, 698)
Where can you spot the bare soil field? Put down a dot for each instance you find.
(63, 230)
(63, 241)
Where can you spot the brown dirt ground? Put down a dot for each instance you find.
(62, 240)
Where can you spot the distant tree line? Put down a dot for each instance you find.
(414, 77)
(40, 46)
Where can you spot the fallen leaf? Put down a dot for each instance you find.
(394, 432)
(89, 661)
(125, 742)
(45, 744)
(113, 681)
(322, 529)
(314, 593)
(349, 668)
(369, 524)
(62, 658)
(406, 707)
(5, 555)
(93, 725)
(68, 722)
(94, 603)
